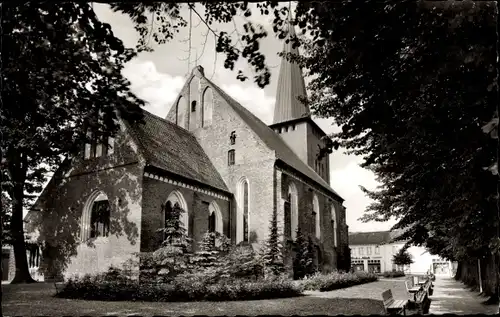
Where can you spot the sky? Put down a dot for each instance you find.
(157, 77)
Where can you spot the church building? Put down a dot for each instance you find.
(213, 158)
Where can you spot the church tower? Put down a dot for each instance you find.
(292, 118)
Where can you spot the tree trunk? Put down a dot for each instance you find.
(22, 271)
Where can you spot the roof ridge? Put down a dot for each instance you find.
(232, 102)
(162, 153)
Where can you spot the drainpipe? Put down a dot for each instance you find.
(480, 279)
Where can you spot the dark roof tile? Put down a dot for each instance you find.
(167, 146)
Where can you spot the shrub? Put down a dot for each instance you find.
(272, 251)
(394, 273)
(336, 280)
(303, 264)
(242, 263)
(193, 288)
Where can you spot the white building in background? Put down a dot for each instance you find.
(373, 252)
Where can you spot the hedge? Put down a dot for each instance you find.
(337, 280)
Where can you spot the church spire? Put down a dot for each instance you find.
(291, 85)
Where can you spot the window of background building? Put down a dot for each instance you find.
(361, 251)
(368, 250)
(377, 250)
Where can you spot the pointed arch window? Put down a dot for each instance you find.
(176, 200)
(181, 110)
(194, 89)
(316, 216)
(243, 211)
(294, 209)
(214, 218)
(207, 107)
(334, 225)
(96, 217)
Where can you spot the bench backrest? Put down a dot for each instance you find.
(416, 279)
(387, 297)
(408, 285)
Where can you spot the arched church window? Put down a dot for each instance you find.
(207, 106)
(243, 207)
(181, 112)
(317, 224)
(176, 200)
(294, 209)
(334, 225)
(96, 217)
(245, 212)
(194, 89)
(215, 218)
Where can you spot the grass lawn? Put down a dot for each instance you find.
(37, 299)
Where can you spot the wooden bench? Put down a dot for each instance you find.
(427, 287)
(421, 297)
(418, 280)
(411, 288)
(393, 306)
(422, 301)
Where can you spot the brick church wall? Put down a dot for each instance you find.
(156, 193)
(253, 159)
(119, 176)
(329, 254)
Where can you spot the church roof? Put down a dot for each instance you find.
(169, 147)
(290, 86)
(274, 141)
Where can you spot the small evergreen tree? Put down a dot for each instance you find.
(311, 267)
(171, 258)
(301, 260)
(272, 255)
(210, 262)
(212, 247)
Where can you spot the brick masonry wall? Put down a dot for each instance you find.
(253, 159)
(312, 150)
(156, 193)
(329, 253)
(119, 176)
(256, 162)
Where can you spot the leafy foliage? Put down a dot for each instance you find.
(402, 257)
(394, 274)
(6, 215)
(113, 286)
(336, 280)
(49, 103)
(167, 19)
(413, 108)
(243, 263)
